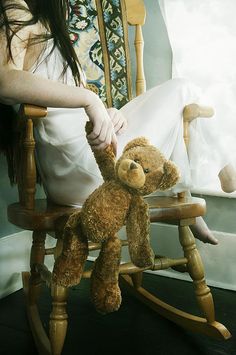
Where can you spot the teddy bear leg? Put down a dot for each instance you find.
(68, 267)
(138, 231)
(105, 291)
(141, 254)
(140, 251)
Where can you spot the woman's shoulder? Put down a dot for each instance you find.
(18, 27)
(20, 19)
(17, 10)
(14, 3)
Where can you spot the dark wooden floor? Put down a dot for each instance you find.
(134, 329)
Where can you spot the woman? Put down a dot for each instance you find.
(40, 67)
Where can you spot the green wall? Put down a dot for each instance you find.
(221, 212)
(7, 195)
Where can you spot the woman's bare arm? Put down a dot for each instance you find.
(20, 86)
(17, 86)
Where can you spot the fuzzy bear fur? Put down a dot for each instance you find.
(141, 170)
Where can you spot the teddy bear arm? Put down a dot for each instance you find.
(105, 158)
(138, 229)
(106, 162)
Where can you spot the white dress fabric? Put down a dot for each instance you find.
(197, 55)
(65, 161)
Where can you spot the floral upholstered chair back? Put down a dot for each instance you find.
(98, 31)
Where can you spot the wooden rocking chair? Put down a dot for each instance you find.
(41, 216)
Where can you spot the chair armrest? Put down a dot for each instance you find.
(193, 111)
(33, 111)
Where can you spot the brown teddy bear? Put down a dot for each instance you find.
(141, 170)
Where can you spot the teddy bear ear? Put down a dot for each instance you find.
(137, 142)
(170, 177)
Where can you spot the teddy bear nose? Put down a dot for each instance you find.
(133, 166)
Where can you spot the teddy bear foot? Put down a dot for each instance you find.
(144, 262)
(106, 296)
(145, 258)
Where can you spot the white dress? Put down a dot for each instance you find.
(65, 161)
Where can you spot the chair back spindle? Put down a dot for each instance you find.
(139, 46)
(136, 16)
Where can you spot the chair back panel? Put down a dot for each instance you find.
(98, 31)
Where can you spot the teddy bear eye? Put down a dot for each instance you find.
(146, 170)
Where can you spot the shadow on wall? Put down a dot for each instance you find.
(8, 194)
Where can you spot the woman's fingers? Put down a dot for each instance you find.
(106, 132)
(96, 144)
(118, 120)
(97, 126)
(121, 128)
(105, 137)
(106, 122)
(114, 143)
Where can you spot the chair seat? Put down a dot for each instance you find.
(43, 217)
(172, 209)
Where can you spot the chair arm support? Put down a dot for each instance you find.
(27, 176)
(192, 111)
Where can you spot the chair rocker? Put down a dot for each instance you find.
(42, 216)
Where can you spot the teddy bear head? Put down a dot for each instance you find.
(144, 168)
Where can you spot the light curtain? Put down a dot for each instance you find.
(202, 35)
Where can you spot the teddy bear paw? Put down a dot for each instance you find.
(144, 259)
(106, 297)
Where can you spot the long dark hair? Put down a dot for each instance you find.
(52, 14)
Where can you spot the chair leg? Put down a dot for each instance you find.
(59, 247)
(203, 325)
(58, 318)
(36, 257)
(196, 272)
(137, 279)
(32, 284)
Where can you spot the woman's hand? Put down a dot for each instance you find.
(103, 132)
(118, 120)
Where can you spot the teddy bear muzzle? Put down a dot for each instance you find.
(131, 173)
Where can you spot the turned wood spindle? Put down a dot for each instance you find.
(29, 166)
(36, 257)
(139, 46)
(196, 271)
(58, 318)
